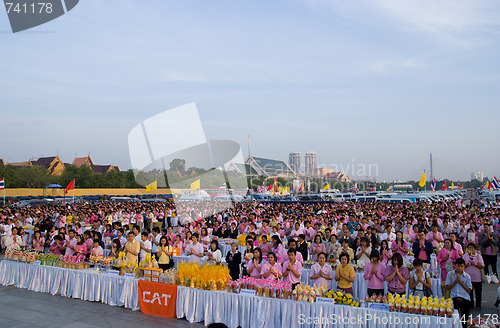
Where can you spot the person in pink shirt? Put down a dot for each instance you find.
(316, 248)
(399, 245)
(271, 270)
(38, 242)
(473, 264)
(78, 229)
(57, 246)
(61, 221)
(446, 258)
(265, 247)
(178, 243)
(277, 247)
(296, 232)
(434, 236)
(97, 249)
(292, 244)
(292, 269)
(254, 265)
(309, 231)
(70, 245)
(265, 229)
(374, 273)
(385, 252)
(456, 246)
(204, 239)
(80, 248)
(322, 273)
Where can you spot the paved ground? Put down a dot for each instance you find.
(23, 308)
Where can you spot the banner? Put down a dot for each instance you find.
(157, 299)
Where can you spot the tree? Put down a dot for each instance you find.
(178, 164)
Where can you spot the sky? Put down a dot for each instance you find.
(373, 86)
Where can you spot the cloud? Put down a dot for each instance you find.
(457, 21)
(387, 65)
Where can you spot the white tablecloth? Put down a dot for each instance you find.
(105, 288)
(360, 285)
(248, 312)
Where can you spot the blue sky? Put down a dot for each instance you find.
(381, 82)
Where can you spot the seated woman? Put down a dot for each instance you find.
(316, 248)
(57, 246)
(115, 248)
(420, 281)
(396, 275)
(254, 266)
(322, 273)
(374, 273)
(214, 254)
(80, 247)
(271, 270)
(96, 248)
(345, 275)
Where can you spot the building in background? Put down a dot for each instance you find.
(269, 167)
(295, 162)
(338, 176)
(478, 175)
(311, 167)
(322, 172)
(101, 169)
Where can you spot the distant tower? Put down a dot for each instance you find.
(311, 164)
(294, 161)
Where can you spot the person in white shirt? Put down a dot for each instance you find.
(214, 254)
(155, 241)
(388, 235)
(13, 242)
(145, 246)
(6, 231)
(195, 249)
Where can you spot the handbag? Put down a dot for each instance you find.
(427, 290)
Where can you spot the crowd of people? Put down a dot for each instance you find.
(279, 237)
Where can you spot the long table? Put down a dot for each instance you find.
(360, 285)
(210, 306)
(89, 286)
(246, 311)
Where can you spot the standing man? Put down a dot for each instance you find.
(132, 247)
(422, 248)
(460, 284)
(145, 246)
(488, 242)
(195, 249)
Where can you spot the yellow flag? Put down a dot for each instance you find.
(388, 189)
(422, 181)
(452, 186)
(195, 185)
(326, 187)
(152, 186)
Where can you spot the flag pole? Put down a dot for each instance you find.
(425, 182)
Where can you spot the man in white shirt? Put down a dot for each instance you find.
(388, 235)
(155, 241)
(145, 246)
(195, 250)
(6, 231)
